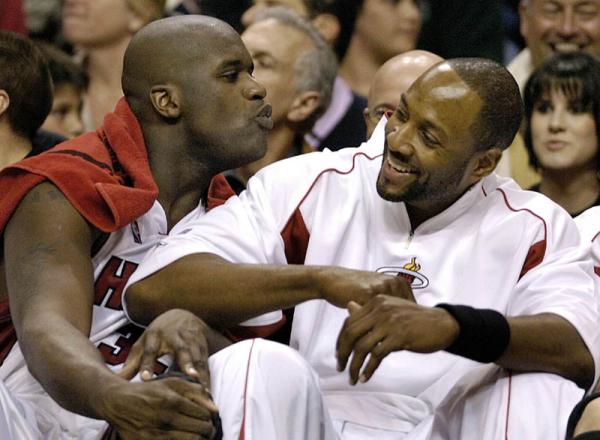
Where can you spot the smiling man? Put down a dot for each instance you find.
(497, 315)
(553, 26)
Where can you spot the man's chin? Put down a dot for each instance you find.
(388, 194)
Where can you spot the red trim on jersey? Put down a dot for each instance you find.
(243, 428)
(534, 257)
(508, 405)
(537, 251)
(218, 192)
(295, 228)
(597, 270)
(596, 236)
(295, 237)
(241, 332)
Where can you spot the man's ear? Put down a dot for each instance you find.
(486, 163)
(328, 26)
(166, 100)
(304, 105)
(4, 102)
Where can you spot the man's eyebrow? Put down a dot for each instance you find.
(237, 63)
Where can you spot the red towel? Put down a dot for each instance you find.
(104, 174)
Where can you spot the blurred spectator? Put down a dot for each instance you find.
(25, 97)
(43, 19)
(100, 31)
(342, 125)
(383, 29)
(70, 82)
(562, 123)
(550, 27)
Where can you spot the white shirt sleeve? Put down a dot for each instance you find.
(243, 230)
(563, 284)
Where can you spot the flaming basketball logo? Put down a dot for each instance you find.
(410, 272)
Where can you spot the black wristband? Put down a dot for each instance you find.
(484, 333)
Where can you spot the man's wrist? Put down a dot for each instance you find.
(484, 334)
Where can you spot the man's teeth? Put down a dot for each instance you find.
(400, 168)
(566, 47)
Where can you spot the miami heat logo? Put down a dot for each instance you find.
(410, 272)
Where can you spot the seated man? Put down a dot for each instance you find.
(78, 219)
(498, 317)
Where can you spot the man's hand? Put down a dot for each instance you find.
(339, 286)
(170, 408)
(176, 332)
(386, 324)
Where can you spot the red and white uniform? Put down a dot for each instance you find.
(28, 412)
(497, 247)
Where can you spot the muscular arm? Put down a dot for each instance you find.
(50, 283)
(549, 343)
(225, 294)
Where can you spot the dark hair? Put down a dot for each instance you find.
(502, 110)
(25, 77)
(577, 75)
(346, 12)
(63, 69)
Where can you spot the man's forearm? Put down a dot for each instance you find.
(549, 343)
(221, 293)
(68, 366)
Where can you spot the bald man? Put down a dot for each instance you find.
(393, 79)
(191, 110)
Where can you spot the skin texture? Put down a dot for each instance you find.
(65, 116)
(392, 79)
(381, 309)
(48, 244)
(551, 26)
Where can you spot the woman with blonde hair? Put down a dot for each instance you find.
(100, 31)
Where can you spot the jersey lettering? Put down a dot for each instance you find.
(118, 354)
(111, 281)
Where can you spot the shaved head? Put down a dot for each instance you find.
(168, 50)
(188, 80)
(392, 79)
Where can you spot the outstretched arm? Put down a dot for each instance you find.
(225, 294)
(47, 247)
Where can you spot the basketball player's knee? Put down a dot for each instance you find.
(281, 362)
